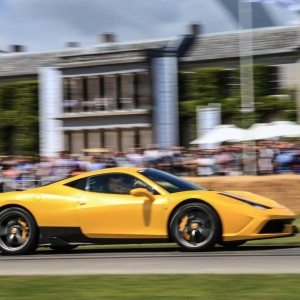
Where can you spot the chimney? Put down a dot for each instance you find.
(17, 48)
(107, 37)
(72, 44)
(195, 29)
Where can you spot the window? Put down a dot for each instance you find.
(144, 90)
(116, 183)
(93, 139)
(77, 140)
(70, 97)
(67, 89)
(169, 182)
(67, 140)
(127, 91)
(111, 140)
(91, 93)
(128, 139)
(110, 88)
(145, 137)
(273, 80)
(76, 91)
(93, 88)
(79, 184)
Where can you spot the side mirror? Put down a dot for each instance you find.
(140, 192)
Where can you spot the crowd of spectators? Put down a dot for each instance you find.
(266, 157)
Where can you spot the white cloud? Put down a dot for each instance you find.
(48, 24)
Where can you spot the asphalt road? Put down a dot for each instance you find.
(245, 260)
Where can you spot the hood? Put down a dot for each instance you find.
(254, 198)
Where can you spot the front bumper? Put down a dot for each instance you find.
(274, 223)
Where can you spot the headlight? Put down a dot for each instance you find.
(240, 198)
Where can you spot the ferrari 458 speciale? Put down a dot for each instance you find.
(135, 205)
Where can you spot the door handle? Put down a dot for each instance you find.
(82, 202)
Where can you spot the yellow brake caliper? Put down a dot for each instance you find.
(25, 230)
(182, 225)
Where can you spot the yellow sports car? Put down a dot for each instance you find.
(129, 205)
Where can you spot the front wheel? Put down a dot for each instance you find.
(18, 231)
(195, 227)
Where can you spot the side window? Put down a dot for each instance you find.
(79, 184)
(117, 183)
(97, 184)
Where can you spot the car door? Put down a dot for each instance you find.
(106, 213)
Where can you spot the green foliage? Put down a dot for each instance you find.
(207, 85)
(262, 80)
(230, 108)
(216, 85)
(188, 108)
(19, 118)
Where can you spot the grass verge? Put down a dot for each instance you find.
(152, 287)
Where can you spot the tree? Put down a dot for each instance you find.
(217, 85)
(19, 118)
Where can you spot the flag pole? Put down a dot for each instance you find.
(291, 5)
(246, 80)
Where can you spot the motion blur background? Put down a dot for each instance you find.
(93, 84)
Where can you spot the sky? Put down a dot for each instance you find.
(48, 24)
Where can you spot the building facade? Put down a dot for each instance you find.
(121, 96)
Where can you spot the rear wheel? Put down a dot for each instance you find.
(195, 227)
(18, 231)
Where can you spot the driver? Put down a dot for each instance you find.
(117, 185)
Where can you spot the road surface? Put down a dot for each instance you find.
(244, 260)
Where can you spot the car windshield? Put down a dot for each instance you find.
(169, 182)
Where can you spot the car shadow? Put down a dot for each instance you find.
(159, 249)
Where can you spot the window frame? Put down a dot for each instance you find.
(116, 174)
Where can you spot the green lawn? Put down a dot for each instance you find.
(152, 287)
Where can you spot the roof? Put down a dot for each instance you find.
(26, 63)
(16, 64)
(266, 41)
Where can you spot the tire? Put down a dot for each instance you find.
(232, 244)
(63, 248)
(18, 232)
(195, 227)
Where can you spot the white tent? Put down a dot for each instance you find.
(264, 131)
(221, 133)
(286, 128)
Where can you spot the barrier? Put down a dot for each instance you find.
(21, 184)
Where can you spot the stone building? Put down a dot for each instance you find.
(124, 95)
